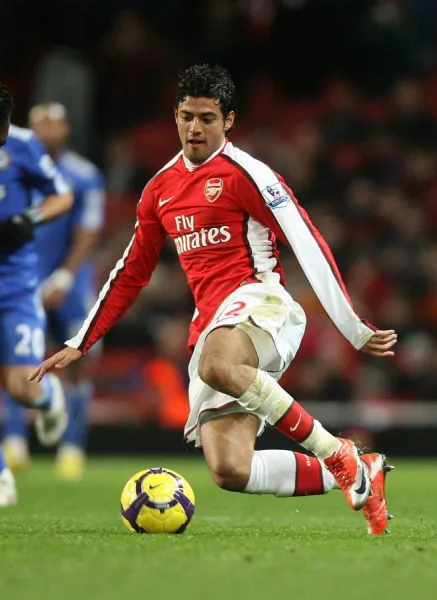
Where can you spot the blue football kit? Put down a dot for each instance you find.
(53, 242)
(25, 168)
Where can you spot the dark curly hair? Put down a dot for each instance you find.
(6, 104)
(207, 81)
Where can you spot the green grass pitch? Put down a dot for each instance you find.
(67, 542)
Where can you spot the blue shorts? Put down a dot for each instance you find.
(22, 325)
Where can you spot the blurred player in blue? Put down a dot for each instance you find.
(24, 167)
(66, 285)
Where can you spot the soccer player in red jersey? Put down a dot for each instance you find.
(225, 211)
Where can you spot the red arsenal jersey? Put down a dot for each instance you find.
(224, 217)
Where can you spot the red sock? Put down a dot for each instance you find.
(296, 423)
(309, 477)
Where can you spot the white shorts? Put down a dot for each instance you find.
(275, 324)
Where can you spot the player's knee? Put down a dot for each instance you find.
(230, 476)
(215, 372)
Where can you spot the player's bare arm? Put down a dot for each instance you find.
(53, 206)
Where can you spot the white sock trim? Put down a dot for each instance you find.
(321, 442)
(272, 472)
(329, 482)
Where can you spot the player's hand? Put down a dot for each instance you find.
(381, 343)
(15, 231)
(58, 361)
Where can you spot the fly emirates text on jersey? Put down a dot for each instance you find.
(197, 239)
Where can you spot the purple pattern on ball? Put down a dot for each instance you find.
(139, 483)
(156, 471)
(131, 513)
(143, 499)
(186, 504)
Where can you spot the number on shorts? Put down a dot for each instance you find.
(235, 310)
(31, 342)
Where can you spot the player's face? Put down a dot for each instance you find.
(201, 127)
(52, 132)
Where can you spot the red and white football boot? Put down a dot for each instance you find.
(350, 473)
(375, 510)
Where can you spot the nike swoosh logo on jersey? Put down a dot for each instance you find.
(297, 424)
(162, 202)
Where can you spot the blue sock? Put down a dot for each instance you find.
(78, 402)
(15, 423)
(44, 401)
(3, 464)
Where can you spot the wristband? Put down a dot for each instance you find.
(35, 215)
(61, 279)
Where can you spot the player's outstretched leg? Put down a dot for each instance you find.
(284, 473)
(15, 446)
(265, 396)
(46, 397)
(375, 510)
(227, 364)
(8, 492)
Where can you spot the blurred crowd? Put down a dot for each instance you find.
(366, 171)
(339, 97)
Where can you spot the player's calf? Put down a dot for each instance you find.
(228, 443)
(230, 468)
(46, 397)
(19, 388)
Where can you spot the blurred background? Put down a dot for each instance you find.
(340, 97)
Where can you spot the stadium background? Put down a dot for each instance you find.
(341, 98)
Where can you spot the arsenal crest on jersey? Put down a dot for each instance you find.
(213, 189)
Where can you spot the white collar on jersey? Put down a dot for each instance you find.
(191, 166)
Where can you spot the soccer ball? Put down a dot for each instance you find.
(157, 501)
